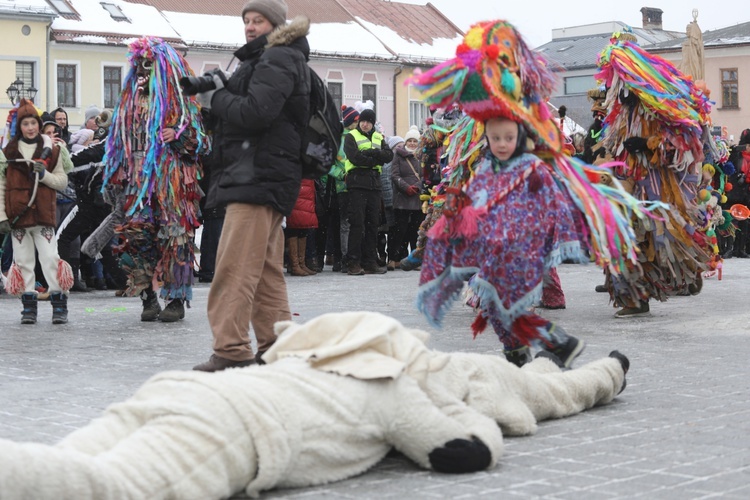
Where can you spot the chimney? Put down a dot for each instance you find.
(651, 18)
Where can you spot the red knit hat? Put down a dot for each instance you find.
(25, 110)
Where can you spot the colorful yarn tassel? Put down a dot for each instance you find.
(15, 284)
(64, 275)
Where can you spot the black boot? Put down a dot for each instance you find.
(78, 285)
(174, 311)
(28, 315)
(151, 307)
(59, 308)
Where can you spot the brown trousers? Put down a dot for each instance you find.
(248, 285)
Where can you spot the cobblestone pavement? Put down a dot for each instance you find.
(680, 430)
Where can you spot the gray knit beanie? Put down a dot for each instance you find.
(273, 10)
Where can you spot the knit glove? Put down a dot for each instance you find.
(40, 168)
(4, 227)
(204, 98)
(461, 456)
(412, 190)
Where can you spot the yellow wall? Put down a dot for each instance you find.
(17, 46)
(90, 61)
(404, 95)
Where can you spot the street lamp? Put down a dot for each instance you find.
(16, 92)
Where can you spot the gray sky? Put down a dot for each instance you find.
(535, 19)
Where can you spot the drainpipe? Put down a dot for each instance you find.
(47, 85)
(398, 71)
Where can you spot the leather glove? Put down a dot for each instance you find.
(460, 456)
(635, 145)
(412, 190)
(4, 227)
(204, 98)
(40, 168)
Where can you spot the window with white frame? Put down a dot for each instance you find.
(112, 85)
(66, 85)
(418, 114)
(730, 88)
(25, 73)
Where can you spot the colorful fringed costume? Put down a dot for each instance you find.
(158, 179)
(505, 223)
(653, 125)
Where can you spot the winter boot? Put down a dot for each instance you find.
(28, 315)
(174, 311)
(78, 285)
(296, 269)
(59, 308)
(151, 307)
(301, 245)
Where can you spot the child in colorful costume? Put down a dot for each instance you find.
(518, 215)
(654, 124)
(153, 155)
(31, 173)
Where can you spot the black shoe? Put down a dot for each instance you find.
(78, 286)
(542, 305)
(355, 270)
(552, 357)
(377, 269)
(519, 357)
(627, 312)
(727, 254)
(410, 263)
(174, 311)
(100, 284)
(569, 351)
(741, 255)
(601, 289)
(151, 307)
(336, 267)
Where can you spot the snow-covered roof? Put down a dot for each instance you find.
(26, 7)
(343, 28)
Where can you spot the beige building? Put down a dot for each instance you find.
(727, 75)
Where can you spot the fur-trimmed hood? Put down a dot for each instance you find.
(287, 34)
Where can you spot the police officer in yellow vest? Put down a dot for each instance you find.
(366, 152)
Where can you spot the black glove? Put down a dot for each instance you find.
(4, 227)
(461, 456)
(635, 145)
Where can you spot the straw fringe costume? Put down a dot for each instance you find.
(653, 125)
(158, 181)
(505, 223)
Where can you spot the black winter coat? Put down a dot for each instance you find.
(261, 114)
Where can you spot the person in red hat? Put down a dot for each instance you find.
(31, 171)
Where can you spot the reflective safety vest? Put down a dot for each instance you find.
(364, 143)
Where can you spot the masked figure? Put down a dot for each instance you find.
(153, 162)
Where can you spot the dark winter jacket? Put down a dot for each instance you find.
(261, 114)
(87, 175)
(303, 215)
(367, 161)
(65, 133)
(404, 175)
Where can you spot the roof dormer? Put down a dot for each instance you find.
(114, 11)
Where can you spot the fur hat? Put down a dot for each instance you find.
(91, 112)
(349, 115)
(26, 109)
(413, 133)
(367, 115)
(394, 141)
(496, 75)
(273, 10)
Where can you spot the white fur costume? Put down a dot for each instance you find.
(296, 422)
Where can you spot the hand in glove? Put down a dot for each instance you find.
(460, 456)
(412, 190)
(635, 145)
(204, 98)
(40, 168)
(4, 227)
